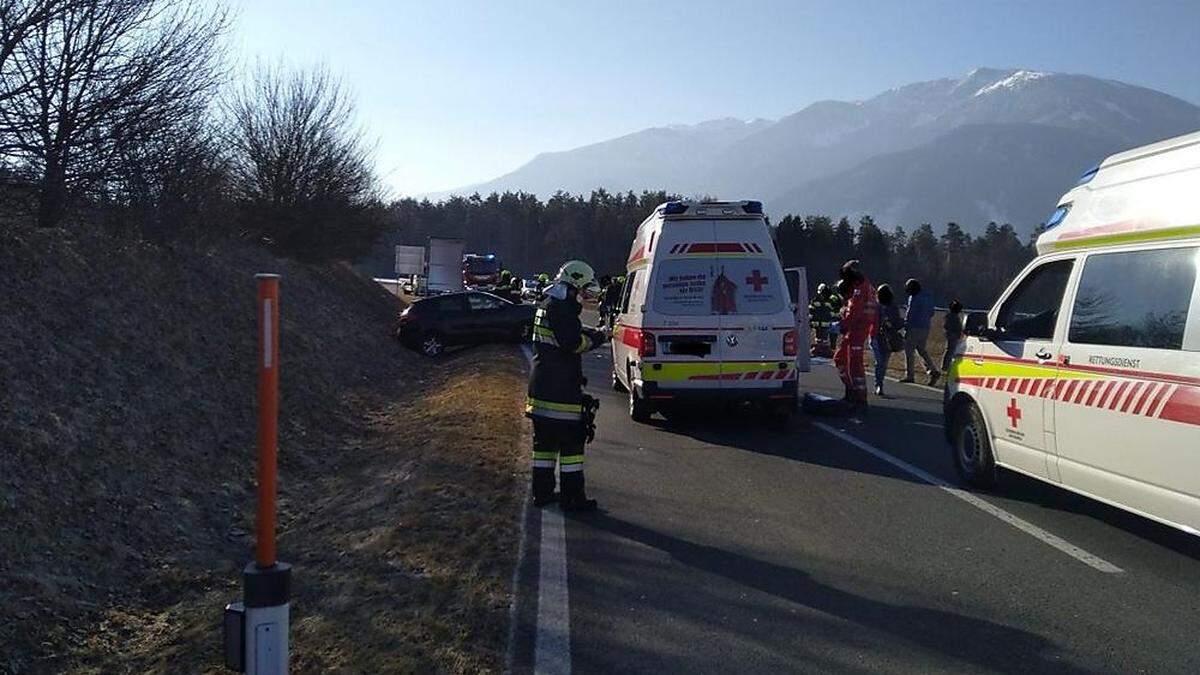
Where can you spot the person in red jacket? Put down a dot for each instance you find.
(858, 319)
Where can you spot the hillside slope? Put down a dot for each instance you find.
(127, 427)
(1011, 173)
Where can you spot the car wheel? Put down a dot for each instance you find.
(433, 344)
(972, 447)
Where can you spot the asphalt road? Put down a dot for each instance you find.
(725, 545)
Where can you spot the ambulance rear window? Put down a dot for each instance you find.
(721, 286)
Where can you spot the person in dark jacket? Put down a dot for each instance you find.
(555, 399)
(953, 327)
(888, 337)
(916, 331)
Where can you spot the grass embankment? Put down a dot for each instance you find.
(126, 473)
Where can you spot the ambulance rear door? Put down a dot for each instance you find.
(749, 297)
(797, 281)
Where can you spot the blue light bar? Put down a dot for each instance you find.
(1059, 215)
(752, 207)
(1088, 175)
(674, 208)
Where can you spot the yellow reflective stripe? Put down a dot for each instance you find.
(584, 344)
(1181, 232)
(571, 459)
(541, 330)
(966, 367)
(551, 405)
(671, 372)
(548, 454)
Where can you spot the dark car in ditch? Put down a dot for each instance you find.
(432, 324)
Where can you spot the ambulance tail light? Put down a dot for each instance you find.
(789, 343)
(646, 344)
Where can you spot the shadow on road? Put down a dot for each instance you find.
(969, 640)
(888, 426)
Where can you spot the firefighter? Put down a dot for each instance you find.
(820, 315)
(859, 315)
(555, 401)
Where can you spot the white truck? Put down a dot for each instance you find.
(443, 272)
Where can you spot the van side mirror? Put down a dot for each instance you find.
(976, 325)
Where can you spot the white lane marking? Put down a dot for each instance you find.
(927, 424)
(552, 648)
(552, 642)
(979, 503)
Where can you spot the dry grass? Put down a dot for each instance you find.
(126, 477)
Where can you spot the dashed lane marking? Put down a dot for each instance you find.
(1025, 526)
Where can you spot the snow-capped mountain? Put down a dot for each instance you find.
(991, 145)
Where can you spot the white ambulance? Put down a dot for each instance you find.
(707, 314)
(1086, 372)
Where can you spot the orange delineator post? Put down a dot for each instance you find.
(268, 414)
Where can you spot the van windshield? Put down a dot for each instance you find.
(705, 286)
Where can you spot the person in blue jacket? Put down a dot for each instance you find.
(916, 333)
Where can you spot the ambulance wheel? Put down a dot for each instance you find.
(972, 447)
(639, 408)
(616, 382)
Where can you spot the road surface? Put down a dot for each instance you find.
(724, 545)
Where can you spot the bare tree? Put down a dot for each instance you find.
(98, 75)
(17, 20)
(302, 172)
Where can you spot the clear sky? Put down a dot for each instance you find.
(457, 91)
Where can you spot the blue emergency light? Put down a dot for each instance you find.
(674, 208)
(1088, 175)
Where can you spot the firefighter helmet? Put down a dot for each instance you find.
(576, 273)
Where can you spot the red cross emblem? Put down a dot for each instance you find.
(1014, 413)
(757, 280)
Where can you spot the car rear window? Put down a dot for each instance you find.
(705, 286)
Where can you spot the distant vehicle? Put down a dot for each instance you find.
(432, 324)
(705, 313)
(481, 270)
(531, 290)
(1086, 372)
(444, 266)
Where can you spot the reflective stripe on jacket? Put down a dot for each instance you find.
(556, 380)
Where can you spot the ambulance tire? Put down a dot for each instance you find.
(973, 447)
(640, 409)
(616, 382)
(779, 414)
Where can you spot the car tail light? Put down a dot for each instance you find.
(646, 344)
(789, 343)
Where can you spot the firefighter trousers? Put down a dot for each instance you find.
(849, 361)
(558, 442)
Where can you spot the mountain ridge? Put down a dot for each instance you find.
(794, 163)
